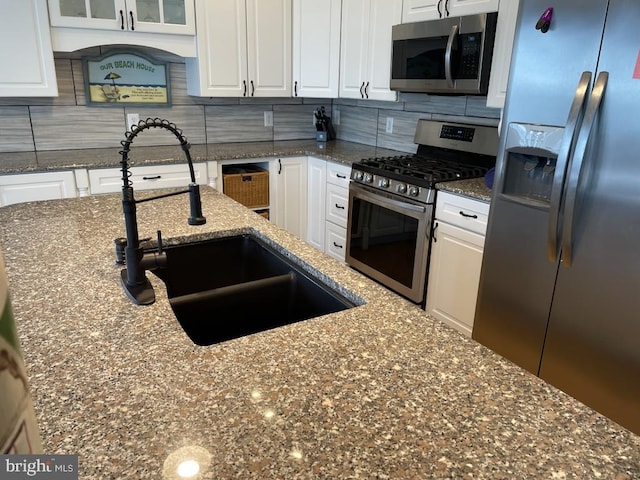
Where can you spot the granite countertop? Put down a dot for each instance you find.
(335, 150)
(474, 188)
(377, 391)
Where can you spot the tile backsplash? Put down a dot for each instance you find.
(35, 130)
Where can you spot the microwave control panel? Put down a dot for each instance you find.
(470, 48)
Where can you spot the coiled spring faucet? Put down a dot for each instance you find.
(133, 278)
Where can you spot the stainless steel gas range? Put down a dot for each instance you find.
(391, 202)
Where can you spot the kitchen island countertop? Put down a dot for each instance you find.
(377, 391)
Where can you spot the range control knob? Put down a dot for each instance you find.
(357, 176)
(383, 183)
(413, 191)
(368, 178)
(401, 188)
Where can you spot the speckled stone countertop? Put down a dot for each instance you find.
(377, 391)
(474, 188)
(336, 150)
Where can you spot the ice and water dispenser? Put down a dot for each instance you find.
(531, 152)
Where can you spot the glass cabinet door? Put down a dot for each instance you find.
(156, 16)
(104, 14)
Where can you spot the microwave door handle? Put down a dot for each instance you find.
(447, 55)
(573, 176)
(563, 163)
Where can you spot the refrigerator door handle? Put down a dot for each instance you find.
(562, 163)
(573, 176)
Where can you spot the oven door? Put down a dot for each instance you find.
(388, 239)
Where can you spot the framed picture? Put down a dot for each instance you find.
(123, 77)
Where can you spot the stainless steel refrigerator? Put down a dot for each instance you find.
(560, 285)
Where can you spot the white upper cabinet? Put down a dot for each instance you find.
(420, 10)
(316, 48)
(83, 23)
(26, 55)
(244, 49)
(501, 61)
(365, 53)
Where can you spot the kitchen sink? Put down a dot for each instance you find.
(229, 287)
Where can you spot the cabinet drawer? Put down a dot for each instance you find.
(335, 241)
(31, 187)
(463, 212)
(337, 204)
(338, 174)
(109, 180)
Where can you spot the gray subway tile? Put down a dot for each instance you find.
(357, 124)
(438, 104)
(188, 118)
(477, 107)
(294, 122)
(15, 130)
(404, 129)
(240, 123)
(61, 128)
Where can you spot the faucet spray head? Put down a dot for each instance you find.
(195, 217)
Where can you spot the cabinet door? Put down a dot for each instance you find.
(162, 16)
(458, 8)
(159, 16)
(220, 70)
(288, 194)
(316, 194)
(29, 187)
(421, 10)
(316, 48)
(354, 48)
(26, 54)
(102, 14)
(454, 275)
(501, 61)
(384, 15)
(269, 48)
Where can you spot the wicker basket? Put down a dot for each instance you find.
(247, 184)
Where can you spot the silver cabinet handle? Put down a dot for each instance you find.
(562, 163)
(447, 55)
(573, 176)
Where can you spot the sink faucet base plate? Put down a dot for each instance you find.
(140, 294)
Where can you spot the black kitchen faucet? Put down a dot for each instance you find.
(133, 278)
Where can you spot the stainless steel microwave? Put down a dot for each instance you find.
(447, 56)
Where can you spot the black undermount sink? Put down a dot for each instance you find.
(228, 287)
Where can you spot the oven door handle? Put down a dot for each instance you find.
(447, 56)
(382, 200)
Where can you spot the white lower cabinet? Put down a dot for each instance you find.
(109, 180)
(316, 195)
(288, 194)
(328, 206)
(456, 259)
(29, 187)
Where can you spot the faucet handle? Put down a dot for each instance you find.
(160, 242)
